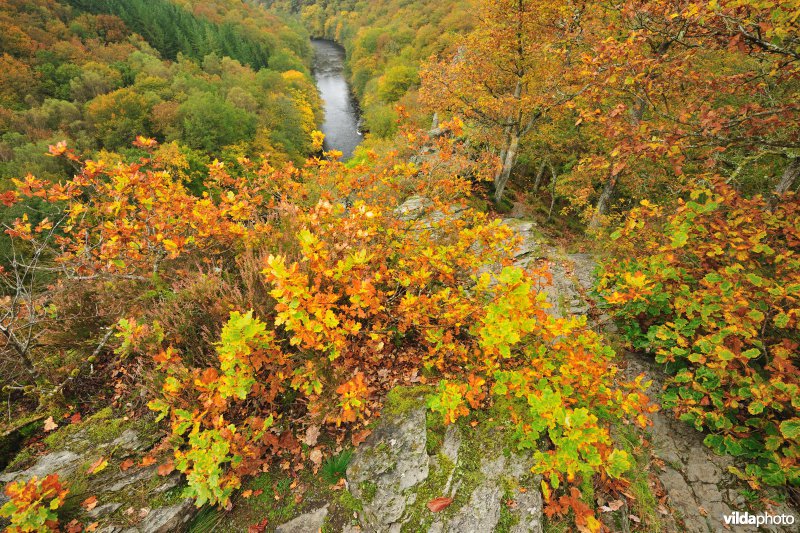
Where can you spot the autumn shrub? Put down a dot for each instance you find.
(32, 504)
(354, 292)
(712, 288)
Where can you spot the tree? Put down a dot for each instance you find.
(684, 89)
(507, 74)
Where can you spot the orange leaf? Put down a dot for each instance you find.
(166, 468)
(147, 461)
(439, 504)
(360, 437)
(126, 464)
(89, 503)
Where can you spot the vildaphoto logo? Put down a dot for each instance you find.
(761, 519)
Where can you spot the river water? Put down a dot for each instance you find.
(341, 113)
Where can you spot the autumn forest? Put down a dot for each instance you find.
(555, 287)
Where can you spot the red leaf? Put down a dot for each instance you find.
(439, 504)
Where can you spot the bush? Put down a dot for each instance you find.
(33, 504)
(712, 288)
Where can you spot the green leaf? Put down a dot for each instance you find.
(791, 428)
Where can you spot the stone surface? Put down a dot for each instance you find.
(306, 523)
(529, 512)
(392, 460)
(62, 462)
(174, 518)
(481, 513)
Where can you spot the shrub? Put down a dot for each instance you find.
(33, 504)
(712, 288)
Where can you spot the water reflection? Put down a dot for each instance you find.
(341, 114)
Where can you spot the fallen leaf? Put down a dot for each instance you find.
(312, 434)
(260, 527)
(360, 437)
(74, 526)
(612, 506)
(97, 466)
(144, 511)
(92, 527)
(166, 468)
(126, 464)
(439, 504)
(258, 492)
(634, 518)
(74, 419)
(316, 457)
(49, 424)
(147, 461)
(247, 493)
(473, 423)
(89, 503)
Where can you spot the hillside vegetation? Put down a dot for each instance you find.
(177, 246)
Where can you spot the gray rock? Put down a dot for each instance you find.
(305, 523)
(125, 479)
(62, 462)
(481, 513)
(129, 440)
(391, 461)
(529, 511)
(174, 518)
(452, 443)
(104, 510)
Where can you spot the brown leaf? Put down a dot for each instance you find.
(612, 506)
(258, 528)
(360, 437)
(166, 468)
(439, 504)
(316, 457)
(312, 434)
(49, 424)
(74, 419)
(74, 527)
(89, 503)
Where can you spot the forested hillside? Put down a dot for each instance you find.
(556, 288)
(210, 83)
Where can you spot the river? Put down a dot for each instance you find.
(341, 112)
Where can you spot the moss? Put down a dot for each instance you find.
(418, 517)
(401, 400)
(368, 490)
(350, 502)
(435, 433)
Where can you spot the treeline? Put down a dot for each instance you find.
(86, 78)
(171, 30)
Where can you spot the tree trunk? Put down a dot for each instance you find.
(509, 160)
(602, 202)
(790, 175)
(539, 175)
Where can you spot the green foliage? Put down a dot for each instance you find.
(335, 467)
(32, 504)
(711, 287)
(209, 123)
